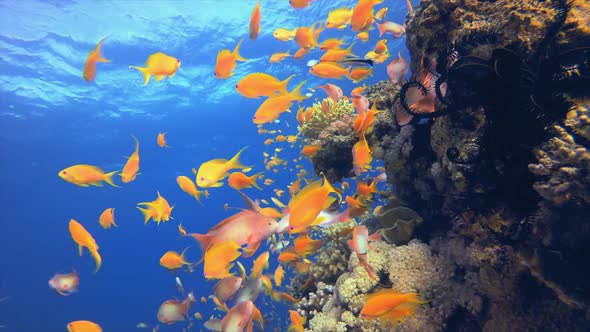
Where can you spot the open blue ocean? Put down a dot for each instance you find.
(51, 118)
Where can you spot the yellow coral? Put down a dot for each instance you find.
(320, 119)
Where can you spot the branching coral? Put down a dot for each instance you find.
(323, 114)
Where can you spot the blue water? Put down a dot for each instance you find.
(50, 118)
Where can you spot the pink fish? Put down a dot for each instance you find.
(246, 227)
(391, 27)
(397, 69)
(361, 104)
(250, 291)
(238, 318)
(173, 311)
(360, 245)
(226, 288)
(65, 284)
(333, 91)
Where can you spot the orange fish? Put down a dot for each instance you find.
(83, 326)
(390, 305)
(381, 46)
(239, 180)
(254, 26)
(337, 54)
(303, 245)
(268, 141)
(331, 43)
(363, 36)
(360, 73)
(131, 167)
(307, 204)
(273, 106)
(329, 70)
(260, 263)
(381, 13)
(284, 34)
(288, 298)
(300, 53)
(362, 14)
(298, 4)
(198, 316)
(189, 187)
(83, 239)
(159, 210)
(161, 140)
(278, 57)
(83, 175)
(397, 69)
(361, 155)
(362, 124)
(226, 62)
(255, 85)
(279, 275)
(218, 259)
(94, 56)
(171, 260)
(296, 322)
(107, 218)
(287, 256)
(306, 37)
(181, 230)
(310, 150)
(159, 65)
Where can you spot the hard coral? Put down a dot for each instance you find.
(564, 167)
(321, 118)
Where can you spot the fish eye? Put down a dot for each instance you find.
(64, 172)
(201, 179)
(291, 227)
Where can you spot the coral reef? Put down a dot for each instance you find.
(330, 125)
(499, 173)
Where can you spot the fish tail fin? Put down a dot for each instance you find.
(236, 52)
(99, 57)
(145, 72)
(146, 215)
(254, 177)
(296, 93)
(381, 28)
(410, 9)
(97, 259)
(108, 178)
(136, 142)
(204, 240)
(234, 162)
(283, 84)
(347, 73)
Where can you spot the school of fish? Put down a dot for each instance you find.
(286, 231)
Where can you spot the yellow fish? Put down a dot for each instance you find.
(211, 172)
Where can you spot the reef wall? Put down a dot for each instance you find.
(500, 173)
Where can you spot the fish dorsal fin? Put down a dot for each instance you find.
(250, 204)
(225, 221)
